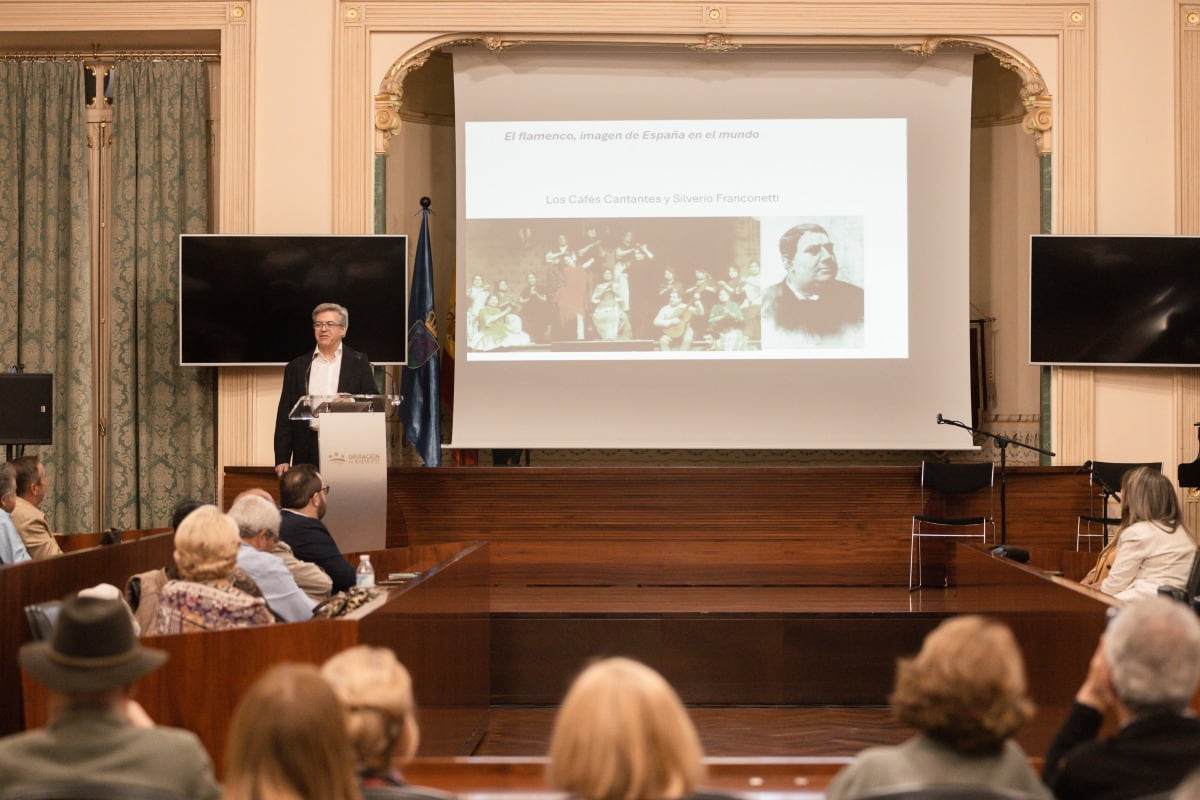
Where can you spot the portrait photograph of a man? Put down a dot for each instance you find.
(813, 297)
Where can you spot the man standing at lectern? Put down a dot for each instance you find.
(331, 368)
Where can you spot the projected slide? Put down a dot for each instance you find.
(676, 250)
(686, 239)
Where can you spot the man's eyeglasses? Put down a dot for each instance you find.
(322, 326)
(326, 488)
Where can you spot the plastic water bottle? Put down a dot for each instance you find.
(365, 574)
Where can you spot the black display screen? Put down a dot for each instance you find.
(249, 299)
(1115, 300)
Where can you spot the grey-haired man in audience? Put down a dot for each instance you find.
(12, 549)
(1145, 670)
(311, 579)
(258, 523)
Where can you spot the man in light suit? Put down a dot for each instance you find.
(331, 368)
(97, 733)
(30, 521)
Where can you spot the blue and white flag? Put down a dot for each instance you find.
(420, 385)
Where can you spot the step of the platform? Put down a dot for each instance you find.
(721, 645)
(731, 731)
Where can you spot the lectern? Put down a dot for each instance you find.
(353, 445)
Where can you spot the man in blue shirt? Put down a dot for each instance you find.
(258, 523)
(12, 549)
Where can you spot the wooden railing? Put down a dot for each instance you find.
(437, 624)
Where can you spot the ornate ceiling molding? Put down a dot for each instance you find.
(1038, 119)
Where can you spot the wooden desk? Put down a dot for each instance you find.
(51, 579)
(437, 624)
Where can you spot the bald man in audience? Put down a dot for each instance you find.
(311, 579)
(304, 498)
(30, 521)
(258, 525)
(1145, 670)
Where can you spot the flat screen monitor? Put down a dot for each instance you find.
(27, 400)
(248, 299)
(1114, 300)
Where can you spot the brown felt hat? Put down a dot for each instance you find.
(92, 649)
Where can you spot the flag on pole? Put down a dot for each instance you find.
(419, 384)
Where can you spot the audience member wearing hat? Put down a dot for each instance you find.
(97, 732)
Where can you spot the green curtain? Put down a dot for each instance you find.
(45, 253)
(162, 416)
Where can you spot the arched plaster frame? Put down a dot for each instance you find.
(1035, 97)
(1038, 119)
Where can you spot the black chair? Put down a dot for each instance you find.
(938, 481)
(86, 790)
(1190, 593)
(41, 618)
(947, 791)
(1105, 484)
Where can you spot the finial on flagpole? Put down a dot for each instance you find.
(425, 202)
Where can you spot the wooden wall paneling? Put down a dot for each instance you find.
(535, 657)
(794, 525)
(441, 631)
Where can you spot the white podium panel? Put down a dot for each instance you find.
(354, 466)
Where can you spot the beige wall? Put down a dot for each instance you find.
(1135, 193)
(1132, 113)
(298, 80)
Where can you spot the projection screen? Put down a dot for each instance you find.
(737, 250)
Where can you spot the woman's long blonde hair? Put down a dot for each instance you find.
(287, 740)
(623, 734)
(1148, 496)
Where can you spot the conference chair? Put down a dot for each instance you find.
(86, 790)
(940, 484)
(41, 618)
(1189, 595)
(1104, 485)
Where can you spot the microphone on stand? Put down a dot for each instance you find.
(939, 420)
(1087, 467)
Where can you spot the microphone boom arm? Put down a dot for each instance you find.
(1002, 442)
